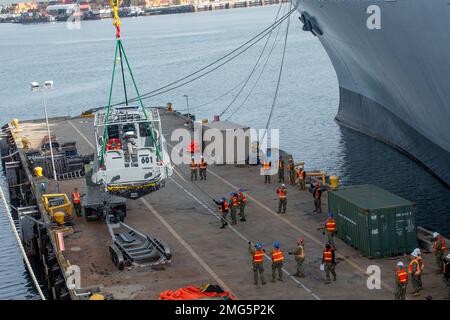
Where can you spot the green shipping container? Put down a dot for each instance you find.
(376, 222)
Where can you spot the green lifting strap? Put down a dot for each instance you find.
(120, 49)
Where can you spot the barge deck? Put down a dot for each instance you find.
(184, 216)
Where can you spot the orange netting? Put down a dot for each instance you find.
(193, 293)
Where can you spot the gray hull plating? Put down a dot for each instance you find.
(394, 81)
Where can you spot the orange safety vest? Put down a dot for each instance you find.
(76, 197)
(258, 256)
(402, 276)
(410, 267)
(225, 206)
(243, 198)
(266, 165)
(435, 244)
(277, 255)
(235, 201)
(301, 174)
(193, 165)
(421, 264)
(290, 166)
(203, 164)
(331, 225)
(282, 193)
(328, 255)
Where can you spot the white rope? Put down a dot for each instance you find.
(24, 255)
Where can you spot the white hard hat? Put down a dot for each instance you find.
(417, 250)
(414, 254)
(448, 256)
(400, 264)
(435, 234)
(283, 185)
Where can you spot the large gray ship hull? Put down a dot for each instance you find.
(394, 81)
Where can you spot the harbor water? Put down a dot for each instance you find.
(164, 48)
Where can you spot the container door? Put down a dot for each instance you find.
(387, 240)
(405, 231)
(374, 234)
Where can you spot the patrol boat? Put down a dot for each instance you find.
(131, 158)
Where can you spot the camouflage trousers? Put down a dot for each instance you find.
(299, 262)
(414, 283)
(330, 268)
(258, 268)
(280, 175)
(277, 267)
(242, 211)
(400, 291)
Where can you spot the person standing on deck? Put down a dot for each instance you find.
(194, 167)
(223, 208)
(329, 262)
(401, 281)
(280, 170)
(282, 198)
(266, 169)
(301, 179)
(414, 272)
(242, 201)
(277, 262)
(233, 207)
(439, 250)
(202, 168)
(330, 229)
(317, 195)
(299, 255)
(257, 254)
(446, 272)
(76, 200)
(291, 170)
(421, 266)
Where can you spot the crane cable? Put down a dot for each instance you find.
(252, 42)
(275, 42)
(255, 66)
(278, 80)
(120, 52)
(244, 80)
(19, 242)
(215, 99)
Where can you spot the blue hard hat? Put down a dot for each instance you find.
(330, 214)
(259, 245)
(223, 198)
(276, 245)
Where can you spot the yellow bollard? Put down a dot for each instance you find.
(38, 171)
(97, 296)
(334, 182)
(15, 123)
(169, 107)
(59, 217)
(205, 121)
(25, 143)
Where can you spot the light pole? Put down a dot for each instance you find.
(187, 105)
(47, 85)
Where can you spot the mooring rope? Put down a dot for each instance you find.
(19, 242)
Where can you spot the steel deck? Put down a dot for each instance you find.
(185, 218)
